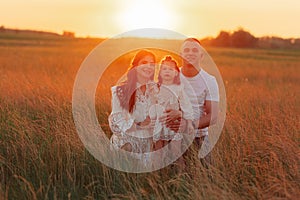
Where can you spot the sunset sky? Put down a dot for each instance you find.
(198, 18)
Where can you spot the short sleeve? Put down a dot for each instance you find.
(212, 89)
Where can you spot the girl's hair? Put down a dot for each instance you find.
(126, 91)
(170, 60)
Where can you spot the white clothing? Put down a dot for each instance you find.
(172, 97)
(120, 121)
(200, 88)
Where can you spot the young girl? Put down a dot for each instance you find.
(170, 96)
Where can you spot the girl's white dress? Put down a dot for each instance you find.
(172, 97)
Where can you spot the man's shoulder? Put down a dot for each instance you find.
(205, 74)
(207, 77)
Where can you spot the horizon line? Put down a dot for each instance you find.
(2, 27)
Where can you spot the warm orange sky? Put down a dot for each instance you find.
(198, 18)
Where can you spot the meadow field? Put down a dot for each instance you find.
(42, 157)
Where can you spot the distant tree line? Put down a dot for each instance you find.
(243, 39)
(20, 31)
(239, 38)
(69, 34)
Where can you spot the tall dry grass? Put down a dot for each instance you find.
(42, 157)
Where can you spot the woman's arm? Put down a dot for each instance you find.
(119, 119)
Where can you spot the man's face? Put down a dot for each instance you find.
(191, 53)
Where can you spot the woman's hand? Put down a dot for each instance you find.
(146, 124)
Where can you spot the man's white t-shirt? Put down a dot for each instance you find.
(200, 88)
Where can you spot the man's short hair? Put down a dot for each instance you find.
(192, 40)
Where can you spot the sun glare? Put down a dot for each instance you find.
(145, 14)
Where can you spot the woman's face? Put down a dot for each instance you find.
(145, 68)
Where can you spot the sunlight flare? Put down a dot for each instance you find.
(146, 14)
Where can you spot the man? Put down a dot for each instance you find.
(202, 90)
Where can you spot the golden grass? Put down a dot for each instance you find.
(42, 157)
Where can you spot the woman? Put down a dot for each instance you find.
(129, 120)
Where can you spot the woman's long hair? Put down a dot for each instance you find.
(171, 60)
(126, 92)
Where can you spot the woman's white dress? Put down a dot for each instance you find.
(120, 121)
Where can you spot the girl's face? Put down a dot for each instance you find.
(145, 68)
(168, 71)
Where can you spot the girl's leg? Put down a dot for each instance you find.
(159, 154)
(158, 145)
(175, 147)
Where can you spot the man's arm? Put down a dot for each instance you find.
(211, 109)
(173, 119)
